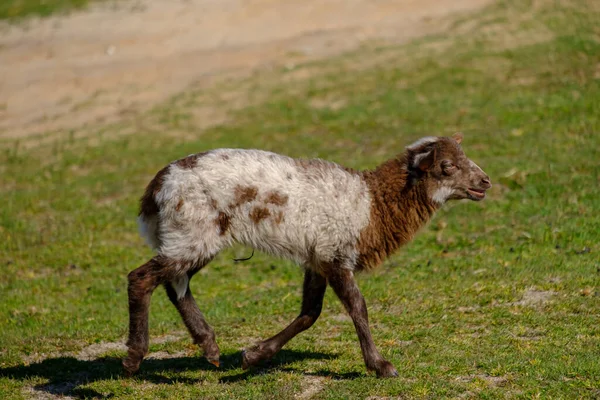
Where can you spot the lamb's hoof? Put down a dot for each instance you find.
(245, 363)
(214, 362)
(385, 369)
(212, 353)
(131, 364)
(250, 357)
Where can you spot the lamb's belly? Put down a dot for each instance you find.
(305, 240)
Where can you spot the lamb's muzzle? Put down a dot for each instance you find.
(334, 221)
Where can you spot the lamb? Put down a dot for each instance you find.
(331, 220)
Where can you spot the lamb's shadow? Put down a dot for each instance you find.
(280, 361)
(65, 375)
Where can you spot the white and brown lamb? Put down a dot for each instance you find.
(331, 220)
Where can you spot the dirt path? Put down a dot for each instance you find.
(95, 66)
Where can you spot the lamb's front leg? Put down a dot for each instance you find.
(343, 283)
(312, 302)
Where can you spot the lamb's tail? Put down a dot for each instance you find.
(148, 228)
(149, 210)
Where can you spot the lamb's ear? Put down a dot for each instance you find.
(424, 161)
(422, 143)
(458, 137)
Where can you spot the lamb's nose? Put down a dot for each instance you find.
(486, 182)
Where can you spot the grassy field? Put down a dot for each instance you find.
(499, 299)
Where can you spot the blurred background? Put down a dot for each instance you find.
(498, 299)
(120, 58)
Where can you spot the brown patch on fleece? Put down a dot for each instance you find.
(190, 161)
(179, 205)
(244, 194)
(148, 206)
(258, 214)
(223, 221)
(399, 208)
(276, 198)
(278, 218)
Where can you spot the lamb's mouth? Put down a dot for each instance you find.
(476, 194)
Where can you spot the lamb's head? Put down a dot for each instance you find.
(442, 166)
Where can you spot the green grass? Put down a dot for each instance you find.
(499, 299)
(17, 9)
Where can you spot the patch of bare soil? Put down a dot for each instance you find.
(164, 355)
(59, 390)
(492, 381)
(50, 391)
(310, 387)
(533, 298)
(97, 350)
(111, 62)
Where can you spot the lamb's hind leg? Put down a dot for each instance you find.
(142, 282)
(312, 302)
(180, 295)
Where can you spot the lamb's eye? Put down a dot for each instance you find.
(448, 167)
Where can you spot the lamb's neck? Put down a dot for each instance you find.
(400, 207)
